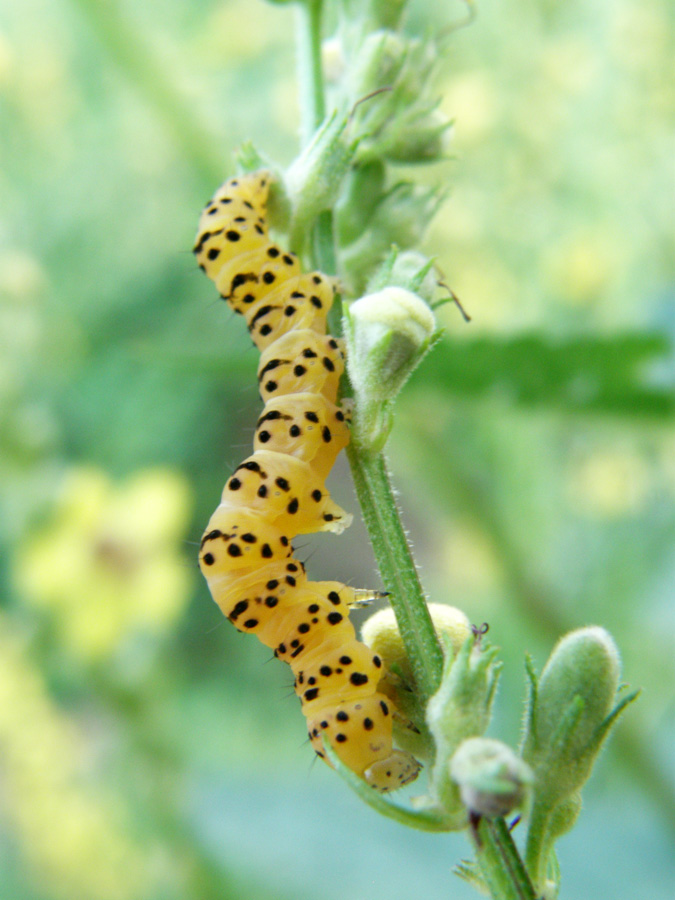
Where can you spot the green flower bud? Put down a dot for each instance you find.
(315, 178)
(492, 780)
(404, 123)
(361, 195)
(380, 61)
(567, 720)
(410, 270)
(571, 710)
(404, 213)
(423, 139)
(387, 335)
(400, 218)
(460, 709)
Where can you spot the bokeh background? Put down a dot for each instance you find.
(146, 750)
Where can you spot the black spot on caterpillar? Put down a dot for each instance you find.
(279, 491)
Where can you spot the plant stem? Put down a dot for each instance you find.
(397, 567)
(310, 72)
(500, 862)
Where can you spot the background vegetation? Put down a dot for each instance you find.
(145, 750)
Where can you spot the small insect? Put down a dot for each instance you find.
(279, 491)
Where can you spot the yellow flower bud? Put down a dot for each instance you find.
(380, 632)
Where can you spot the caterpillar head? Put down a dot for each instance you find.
(248, 190)
(391, 773)
(232, 223)
(360, 733)
(237, 539)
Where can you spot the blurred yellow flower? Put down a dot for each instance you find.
(74, 835)
(108, 560)
(610, 483)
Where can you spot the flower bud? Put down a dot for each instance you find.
(403, 123)
(410, 270)
(381, 59)
(567, 720)
(460, 709)
(492, 780)
(422, 139)
(387, 334)
(315, 178)
(571, 710)
(397, 220)
(380, 632)
(363, 190)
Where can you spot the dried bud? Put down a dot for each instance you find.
(492, 780)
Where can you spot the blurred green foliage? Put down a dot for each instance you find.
(149, 753)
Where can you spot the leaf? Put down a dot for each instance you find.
(625, 375)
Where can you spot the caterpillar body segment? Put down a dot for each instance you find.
(287, 491)
(295, 304)
(306, 426)
(279, 491)
(301, 362)
(240, 538)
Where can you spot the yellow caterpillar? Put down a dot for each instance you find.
(279, 492)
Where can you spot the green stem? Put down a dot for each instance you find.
(397, 567)
(500, 862)
(310, 72)
(538, 844)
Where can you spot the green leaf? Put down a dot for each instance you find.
(583, 374)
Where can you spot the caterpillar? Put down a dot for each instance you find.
(279, 492)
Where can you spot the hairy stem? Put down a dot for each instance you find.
(397, 568)
(500, 862)
(310, 72)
